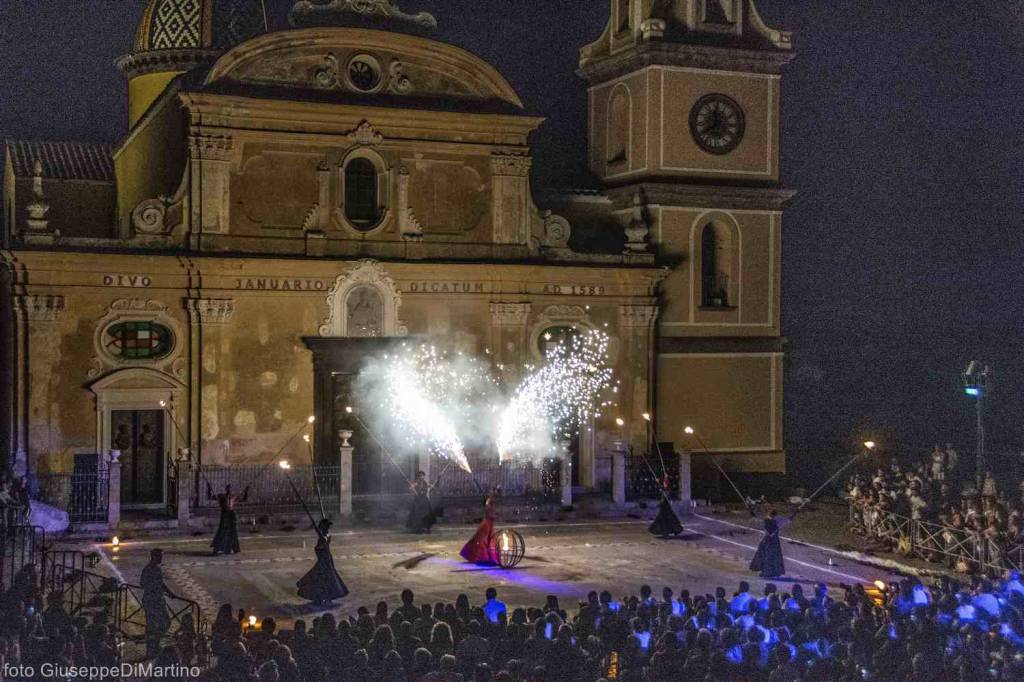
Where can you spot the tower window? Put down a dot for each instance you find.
(622, 12)
(715, 266)
(618, 126)
(362, 208)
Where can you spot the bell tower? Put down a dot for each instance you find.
(683, 100)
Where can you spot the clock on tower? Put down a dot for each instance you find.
(684, 128)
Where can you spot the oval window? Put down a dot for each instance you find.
(138, 340)
(552, 337)
(361, 207)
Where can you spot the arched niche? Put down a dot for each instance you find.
(364, 302)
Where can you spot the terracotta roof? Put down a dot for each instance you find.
(63, 160)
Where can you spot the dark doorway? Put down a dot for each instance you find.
(336, 363)
(139, 435)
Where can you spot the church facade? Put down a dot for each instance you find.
(281, 195)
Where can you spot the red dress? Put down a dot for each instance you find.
(481, 548)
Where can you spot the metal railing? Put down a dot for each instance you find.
(130, 617)
(516, 479)
(84, 496)
(957, 547)
(18, 546)
(269, 488)
(641, 482)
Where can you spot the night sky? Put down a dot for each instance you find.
(903, 131)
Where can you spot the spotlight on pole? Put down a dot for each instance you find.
(977, 378)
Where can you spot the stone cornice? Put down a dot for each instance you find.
(702, 196)
(155, 61)
(673, 54)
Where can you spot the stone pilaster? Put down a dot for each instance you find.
(209, 156)
(508, 336)
(208, 319)
(35, 316)
(345, 451)
(510, 175)
(636, 325)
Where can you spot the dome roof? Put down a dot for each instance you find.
(198, 24)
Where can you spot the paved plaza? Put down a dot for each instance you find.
(566, 560)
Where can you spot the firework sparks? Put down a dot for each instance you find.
(555, 400)
(426, 397)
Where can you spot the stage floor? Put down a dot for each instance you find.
(566, 560)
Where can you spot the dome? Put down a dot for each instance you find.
(176, 36)
(198, 24)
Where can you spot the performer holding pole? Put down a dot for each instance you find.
(421, 514)
(481, 548)
(667, 522)
(768, 561)
(225, 541)
(322, 584)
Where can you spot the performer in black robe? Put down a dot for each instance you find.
(322, 584)
(225, 541)
(421, 514)
(768, 560)
(666, 523)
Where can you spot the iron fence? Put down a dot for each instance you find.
(516, 479)
(958, 548)
(18, 546)
(83, 495)
(271, 488)
(645, 475)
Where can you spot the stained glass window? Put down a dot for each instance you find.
(138, 340)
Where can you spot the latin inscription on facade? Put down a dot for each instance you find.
(445, 287)
(280, 284)
(135, 281)
(574, 289)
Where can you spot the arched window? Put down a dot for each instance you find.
(622, 7)
(552, 337)
(362, 207)
(715, 266)
(618, 126)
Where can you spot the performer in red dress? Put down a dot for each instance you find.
(481, 548)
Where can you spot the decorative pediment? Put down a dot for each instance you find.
(343, 12)
(327, 59)
(364, 302)
(366, 135)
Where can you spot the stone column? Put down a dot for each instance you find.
(685, 480)
(618, 476)
(114, 489)
(636, 325)
(183, 471)
(566, 475)
(508, 337)
(207, 318)
(510, 187)
(35, 317)
(210, 157)
(345, 475)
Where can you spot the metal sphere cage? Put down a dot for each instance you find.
(511, 548)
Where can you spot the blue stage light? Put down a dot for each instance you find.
(972, 390)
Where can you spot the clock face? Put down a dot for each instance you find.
(717, 124)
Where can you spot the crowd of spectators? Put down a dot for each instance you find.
(958, 523)
(946, 632)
